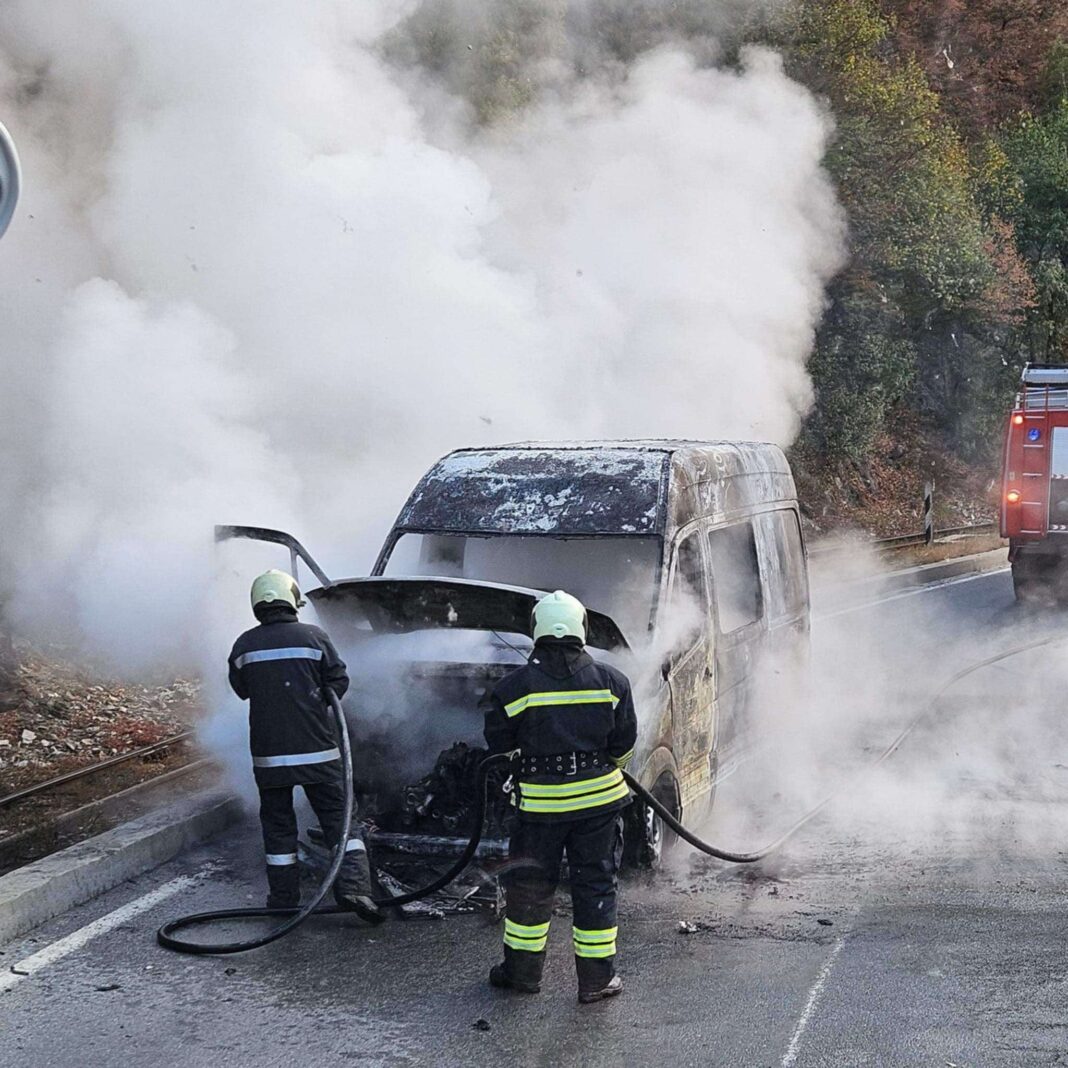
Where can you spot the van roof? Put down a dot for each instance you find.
(662, 445)
(575, 488)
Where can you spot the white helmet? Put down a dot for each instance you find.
(276, 587)
(559, 615)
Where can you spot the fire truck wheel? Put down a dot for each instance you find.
(1032, 580)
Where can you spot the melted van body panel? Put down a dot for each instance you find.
(644, 532)
(688, 555)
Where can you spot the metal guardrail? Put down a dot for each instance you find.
(904, 541)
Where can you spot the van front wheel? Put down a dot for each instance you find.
(645, 838)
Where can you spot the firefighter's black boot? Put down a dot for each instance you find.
(283, 882)
(520, 971)
(352, 888)
(597, 979)
(613, 987)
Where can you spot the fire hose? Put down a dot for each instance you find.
(751, 858)
(165, 935)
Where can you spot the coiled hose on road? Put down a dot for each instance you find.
(165, 935)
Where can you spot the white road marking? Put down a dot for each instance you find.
(914, 591)
(813, 999)
(74, 941)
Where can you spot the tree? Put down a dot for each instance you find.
(1037, 148)
(920, 240)
(986, 58)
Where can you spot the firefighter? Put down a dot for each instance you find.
(283, 668)
(573, 724)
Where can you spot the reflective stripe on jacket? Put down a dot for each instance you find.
(560, 702)
(283, 667)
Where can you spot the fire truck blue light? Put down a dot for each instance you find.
(1034, 434)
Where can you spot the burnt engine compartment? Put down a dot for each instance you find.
(443, 802)
(417, 746)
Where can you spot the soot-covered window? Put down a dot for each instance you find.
(792, 556)
(689, 599)
(735, 576)
(689, 573)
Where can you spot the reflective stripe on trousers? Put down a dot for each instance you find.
(353, 845)
(594, 943)
(529, 937)
(290, 760)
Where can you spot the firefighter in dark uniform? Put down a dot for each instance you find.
(283, 668)
(572, 721)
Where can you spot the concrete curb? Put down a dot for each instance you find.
(49, 887)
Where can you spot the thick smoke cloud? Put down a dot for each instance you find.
(260, 274)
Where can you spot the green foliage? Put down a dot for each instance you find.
(1055, 77)
(1037, 150)
(926, 215)
(862, 366)
(487, 55)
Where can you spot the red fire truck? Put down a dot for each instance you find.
(1034, 502)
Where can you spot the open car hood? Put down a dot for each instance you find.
(399, 605)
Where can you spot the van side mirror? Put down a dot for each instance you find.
(665, 669)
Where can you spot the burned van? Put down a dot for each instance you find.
(688, 555)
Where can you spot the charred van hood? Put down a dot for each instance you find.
(398, 605)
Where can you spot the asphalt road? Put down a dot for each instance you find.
(918, 923)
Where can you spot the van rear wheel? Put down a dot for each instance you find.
(646, 839)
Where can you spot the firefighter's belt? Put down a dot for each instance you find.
(565, 763)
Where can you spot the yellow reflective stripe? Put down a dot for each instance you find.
(595, 951)
(529, 937)
(537, 930)
(560, 697)
(570, 789)
(606, 934)
(527, 945)
(595, 943)
(574, 804)
(621, 761)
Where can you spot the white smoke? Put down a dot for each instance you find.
(259, 276)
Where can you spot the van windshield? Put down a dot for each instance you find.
(614, 576)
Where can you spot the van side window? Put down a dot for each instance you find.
(689, 597)
(689, 584)
(782, 564)
(735, 576)
(792, 556)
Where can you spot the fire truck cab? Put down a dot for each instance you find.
(1034, 501)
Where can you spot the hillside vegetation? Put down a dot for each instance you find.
(952, 162)
(950, 159)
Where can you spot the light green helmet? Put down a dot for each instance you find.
(559, 615)
(276, 586)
